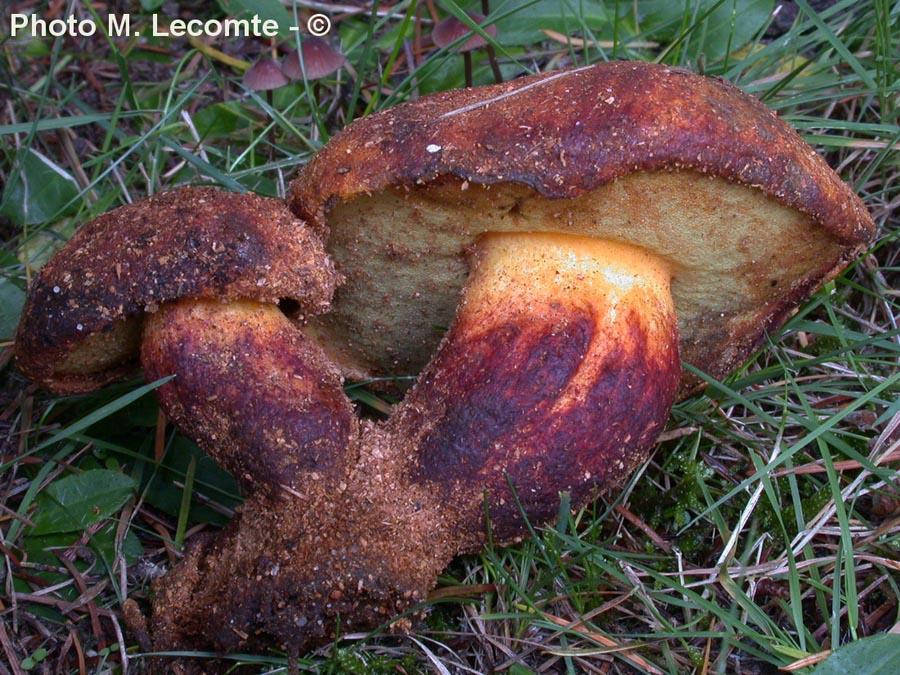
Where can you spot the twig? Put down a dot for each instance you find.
(605, 44)
(10, 651)
(658, 541)
(611, 644)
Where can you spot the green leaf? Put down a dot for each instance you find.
(726, 25)
(42, 550)
(876, 655)
(80, 500)
(162, 492)
(221, 119)
(38, 190)
(11, 300)
(522, 21)
(264, 9)
(103, 543)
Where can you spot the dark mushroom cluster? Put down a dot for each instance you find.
(542, 253)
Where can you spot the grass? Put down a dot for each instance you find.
(765, 531)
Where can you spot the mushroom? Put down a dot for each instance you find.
(315, 59)
(264, 75)
(748, 218)
(82, 323)
(449, 30)
(577, 234)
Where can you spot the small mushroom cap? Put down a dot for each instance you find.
(749, 217)
(449, 30)
(263, 75)
(82, 322)
(320, 59)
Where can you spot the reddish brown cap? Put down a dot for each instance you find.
(749, 217)
(263, 75)
(82, 322)
(320, 59)
(449, 30)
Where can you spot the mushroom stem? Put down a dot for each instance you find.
(252, 391)
(492, 59)
(557, 375)
(467, 67)
(329, 537)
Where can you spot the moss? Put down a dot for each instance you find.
(348, 661)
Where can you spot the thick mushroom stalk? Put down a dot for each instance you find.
(557, 375)
(251, 390)
(321, 540)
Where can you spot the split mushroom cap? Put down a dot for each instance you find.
(747, 216)
(450, 29)
(320, 59)
(82, 323)
(264, 75)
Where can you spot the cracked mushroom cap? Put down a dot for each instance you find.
(748, 218)
(82, 323)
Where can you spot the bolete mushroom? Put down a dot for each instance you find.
(83, 320)
(545, 251)
(746, 216)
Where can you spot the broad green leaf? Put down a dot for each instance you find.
(47, 240)
(264, 9)
(11, 300)
(40, 549)
(729, 24)
(876, 655)
(80, 500)
(523, 21)
(210, 480)
(103, 543)
(221, 119)
(38, 190)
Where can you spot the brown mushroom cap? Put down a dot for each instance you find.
(264, 75)
(749, 218)
(82, 322)
(449, 30)
(320, 59)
